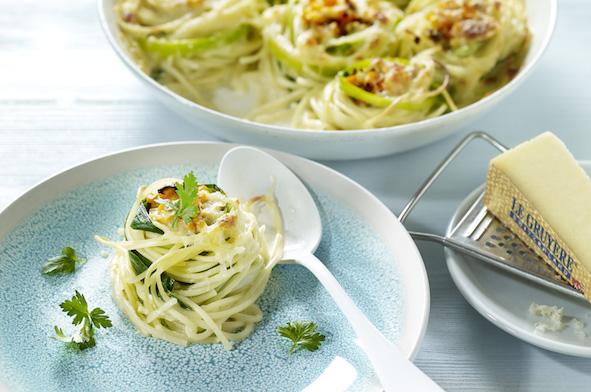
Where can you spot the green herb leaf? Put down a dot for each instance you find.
(183, 207)
(65, 263)
(77, 307)
(302, 333)
(344, 49)
(82, 340)
(139, 263)
(99, 318)
(167, 282)
(214, 188)
(181, 303)
(157, 74)
(142, 221)
(85, 337)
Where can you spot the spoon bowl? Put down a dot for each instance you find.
(246, 172)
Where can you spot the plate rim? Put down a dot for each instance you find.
(415, 317)
(466, 282)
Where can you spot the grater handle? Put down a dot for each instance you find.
(450, 243)
(442, 166)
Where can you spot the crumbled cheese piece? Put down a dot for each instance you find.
(556, 316)
(552, 313)
(104, 254)
(544, 328)
(578, 324)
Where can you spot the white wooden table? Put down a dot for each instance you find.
(66, 98)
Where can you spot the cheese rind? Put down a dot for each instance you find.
(543, 195)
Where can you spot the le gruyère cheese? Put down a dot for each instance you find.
(542, 194)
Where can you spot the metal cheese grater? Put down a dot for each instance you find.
(481, 235)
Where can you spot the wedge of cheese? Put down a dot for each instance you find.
(543, 195)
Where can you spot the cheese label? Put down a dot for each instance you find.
(511, 207)
(561, 258)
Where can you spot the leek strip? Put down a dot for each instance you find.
(163, 47)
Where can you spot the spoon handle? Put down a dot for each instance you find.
(395, 372)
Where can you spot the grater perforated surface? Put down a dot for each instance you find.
(482, 235)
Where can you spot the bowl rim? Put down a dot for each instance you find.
(384, 132)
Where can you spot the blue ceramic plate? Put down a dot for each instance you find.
(365, 247)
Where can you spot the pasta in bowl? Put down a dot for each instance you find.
(273, 73)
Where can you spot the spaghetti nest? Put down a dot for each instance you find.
(284, 60)
(191, 273)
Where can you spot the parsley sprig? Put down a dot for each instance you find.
(66, 262)
(77, 307)
(302, 333)
(183, 207)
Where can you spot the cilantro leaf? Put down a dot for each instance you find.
(302, 333)
(77, 307)
(99, 318)
(85, 337)
(82, 339)
(183, 207)
(174, 205)
(66, 262)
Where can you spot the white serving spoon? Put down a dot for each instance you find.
(247, 172)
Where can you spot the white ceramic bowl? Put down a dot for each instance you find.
(338, 145)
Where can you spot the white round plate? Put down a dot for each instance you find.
(338, 145)
(364, 245)
(504, 299)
